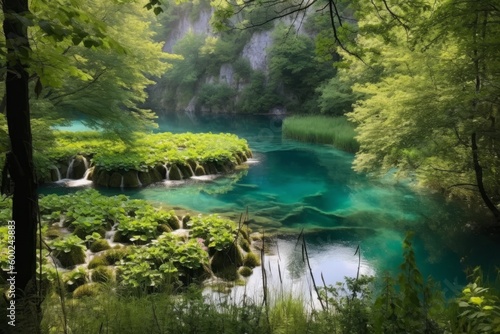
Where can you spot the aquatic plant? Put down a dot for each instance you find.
(336, 131)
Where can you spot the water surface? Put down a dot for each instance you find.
(290, 186)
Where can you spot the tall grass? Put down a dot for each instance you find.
(336, 131)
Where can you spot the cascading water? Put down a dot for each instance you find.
(58, 173)
(70, 169)
(122, 183)
(191, 170)
(138, 180)
(167, 172)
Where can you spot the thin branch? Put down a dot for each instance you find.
(94, 80)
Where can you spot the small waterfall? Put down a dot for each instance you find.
(85, 163)
(70, 169)
(138, 180)
(86, 175)
(167, 172)
(80, 182)
(180, 173)
(122, 183)
(110, 235)
(191, 169)
(56, 262)
(57, 172)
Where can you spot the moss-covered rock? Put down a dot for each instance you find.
(102, 275)
(87, 290)
(145, 178)
(73, 279)
(229, 257)
(185, 171)
(53, 232)
(69, 259)
(244, 244)
(155, 175)
(251, 260)
(164, 228)
(229, 273)
(80, 166)
(199, 170)
(97, 261)
(54, 174)
(102, 178)
(82, 233)
(162, 171)
(245, 271)
(116, 254)
(130, 179)
(115, 180)
(99, 245)
(211, 168)
(174, 173)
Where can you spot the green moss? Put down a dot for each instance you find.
(174, 173)
(251, 260)
(245, 271)
(102, 275)
(130, 179)
(115, 180)
(87, 290)
(72, 258)
(244, 244)
(226, 258)
(229, 273)
(114, 255)
(164, 228)
(74, 279)
(97, 261)
(99, 245)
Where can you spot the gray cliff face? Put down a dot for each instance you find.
(201, 26)
(256, 50)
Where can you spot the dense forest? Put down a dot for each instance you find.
(405, 91)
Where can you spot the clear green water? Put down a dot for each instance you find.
(292, 186)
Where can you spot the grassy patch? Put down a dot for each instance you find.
(336, 131)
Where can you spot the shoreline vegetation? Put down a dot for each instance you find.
(318, 129)
(401, 302)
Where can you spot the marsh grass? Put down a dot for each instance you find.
(336, 131)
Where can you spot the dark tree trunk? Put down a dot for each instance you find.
(20, 157)
(478, 169)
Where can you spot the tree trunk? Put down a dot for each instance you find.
(20, 161)
(479, 179)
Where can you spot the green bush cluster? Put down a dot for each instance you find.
(218, 233)
(161, 262)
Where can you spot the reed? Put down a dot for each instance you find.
(317, 129)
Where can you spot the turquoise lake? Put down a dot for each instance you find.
(289, 186)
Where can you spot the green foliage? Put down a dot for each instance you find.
(74, 279)
(148, 150)
(256, 97)
(160, 263)
(294, 66)
(426, 95)
(217, 233)
(336, 131)
(215, 96)
(70, 250)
